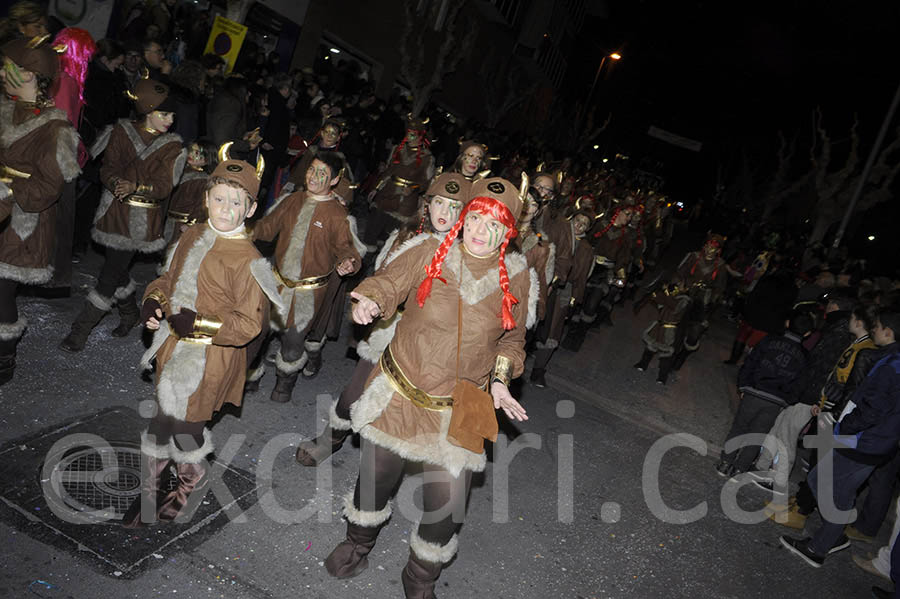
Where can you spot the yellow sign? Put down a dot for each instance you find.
(225, 40)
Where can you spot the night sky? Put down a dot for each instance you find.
(731, 75)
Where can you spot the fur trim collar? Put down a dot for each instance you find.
(10, 331)
(292, 263)
(192, 175)
(474, 290)
(407, 245)
(143, 150)
(261, 270)
(102, 141)
(534, 290)
(365, 518)
(12, 133)
(432, 552)
(185, 288)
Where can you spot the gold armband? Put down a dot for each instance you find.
(503, 370)
(157, 295)
(206, 326)
(143, 189)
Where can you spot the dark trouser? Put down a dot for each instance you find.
(754, 415)
(354, 388)
(188, 436)
(846, 478)
(380, 471)
(379, 226)
(9, 313)
(879, 498)
(115, 271)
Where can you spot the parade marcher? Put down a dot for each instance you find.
(470, 300)
(314, 240)
(211, 302)
(38, 156)
(538, 251)
(447, 196)
(704, 277)
(187, 206)
(395, 199)
(329, 136)
(606, 279)
(662, 336)
(472, 161)
(141, 165)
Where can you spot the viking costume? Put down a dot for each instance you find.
(222, 285)
(38, 156)
(663, 336)
(561, 233)
(541, 256)
(396, 200)
(314, 236)
(297, 178)
(605, 279)
(453, 186)
(153, 162)
(481, 171)
(187, 207)
(405, 411)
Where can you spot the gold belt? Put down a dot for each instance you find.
(182, 217)
(205, 340)
(307, 283)
(401, 182)
(405, 388)
(142, 201)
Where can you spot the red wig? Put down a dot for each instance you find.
(80, 47)
(494, 209)
(423, 141)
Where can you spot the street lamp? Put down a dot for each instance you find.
(587, 104)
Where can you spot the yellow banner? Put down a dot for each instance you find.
(225, 40)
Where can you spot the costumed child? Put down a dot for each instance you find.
(188, 206)
(208, 306)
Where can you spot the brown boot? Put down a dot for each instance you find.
(349, 558)
(95, 308)
(314, 452)
(154, 461)
(419, 577)
(129, 315)
(286, 374)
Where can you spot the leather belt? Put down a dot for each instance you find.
(142, 201)
(307, 283)
(198, 340)
(182, 217)
(404, 387)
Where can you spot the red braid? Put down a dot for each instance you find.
(489, 207)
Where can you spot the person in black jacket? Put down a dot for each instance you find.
(866, 435)
(226, 118)
(765, 311)
(767, 382)
(834, 338)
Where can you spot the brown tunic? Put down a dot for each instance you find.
(662, 334)
(582, 264)
(402, 201)
(133, 154)
(313, 237)
(541, 256)
(188, 203)
(425, 346)
(298, 173)
(220, 277)
(45, 147)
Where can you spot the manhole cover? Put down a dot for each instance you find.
(102, 481)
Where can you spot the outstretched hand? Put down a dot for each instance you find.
(504, 399)
(365, 310)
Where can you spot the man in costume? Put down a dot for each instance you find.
(141, 165)
(38, 156)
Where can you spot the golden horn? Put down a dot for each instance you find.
(130, 95)
(437, 172)
(223, 151)
(523, 187)
(482, 175)
(260, 166)
(559, 177)
(426, 120)
(460, 140)
(145, 73)
(37, 41)
(60, 48)
(540, 168)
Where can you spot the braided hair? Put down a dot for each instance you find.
(494, 209)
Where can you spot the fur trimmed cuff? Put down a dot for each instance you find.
(99, 302)
(125, 292)
(154, 450)
(290, 367)
(10, 331)
(432, 552)
(313, 346)
(549, 344)
(192, 457)
(364, 518)
(337, 423)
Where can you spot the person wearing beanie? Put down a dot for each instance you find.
(142, 163)
(207, 310)
(395, 199)
(38, 157)
(314, 240)
(462, 332)
(447, 196)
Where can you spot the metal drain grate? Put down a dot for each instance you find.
(104, 481)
